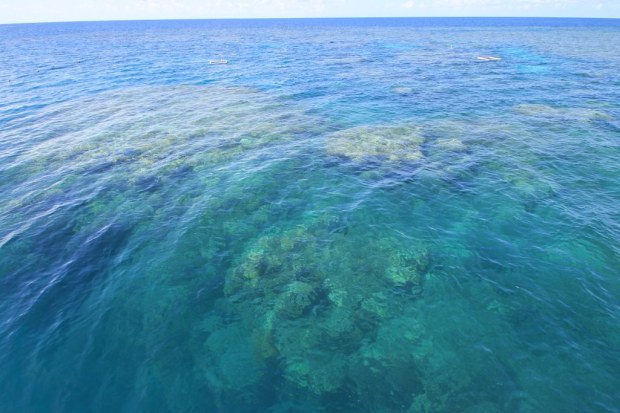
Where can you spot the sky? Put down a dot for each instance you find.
(23, 11)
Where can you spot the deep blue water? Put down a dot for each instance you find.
(353, 215)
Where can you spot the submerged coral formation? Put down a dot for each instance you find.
(572, 113)
(408, 266)
(297, 295)
(453, 144)
(382, 143)
(273, 288)
(144, 140)
(319, 299)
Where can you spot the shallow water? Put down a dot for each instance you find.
(352, 215)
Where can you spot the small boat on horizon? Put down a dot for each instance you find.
(218, 62)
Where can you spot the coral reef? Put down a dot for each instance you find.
(318, 316)
(407, 267)
(546, 111)
(230, 365)
(452, 144)
(378, 143)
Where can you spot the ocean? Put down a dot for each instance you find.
(351, 215)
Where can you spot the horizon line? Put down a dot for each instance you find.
(311, 18)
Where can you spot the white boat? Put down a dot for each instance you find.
(488, 58)
(218, 62)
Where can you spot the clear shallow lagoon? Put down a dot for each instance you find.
(350, 216)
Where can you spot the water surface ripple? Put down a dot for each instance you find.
(350, 216)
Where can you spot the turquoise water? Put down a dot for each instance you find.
(350, 216)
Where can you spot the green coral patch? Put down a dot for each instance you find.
(383, 143)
